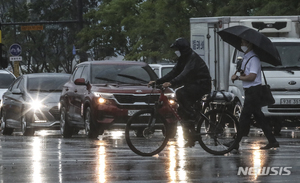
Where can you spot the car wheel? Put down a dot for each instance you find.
(65, 129)
(4, 129)
(26, 131)
(90, 128)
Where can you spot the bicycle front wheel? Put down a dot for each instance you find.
(146, 134)
(218, 131)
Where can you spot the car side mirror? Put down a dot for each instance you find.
(80, 81)
(17, 91)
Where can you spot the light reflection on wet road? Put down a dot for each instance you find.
(47, 157)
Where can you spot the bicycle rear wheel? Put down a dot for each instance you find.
(143, 139)
(218, 131)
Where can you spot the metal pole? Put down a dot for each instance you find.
(0, 34)
(80, 14)
(16, 64)
(1, 59)
(14, 10)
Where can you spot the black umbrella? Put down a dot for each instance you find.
(263, 46)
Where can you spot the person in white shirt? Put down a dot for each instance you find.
(251, 78)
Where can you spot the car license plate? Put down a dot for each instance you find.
(131, 113)
(290, 101)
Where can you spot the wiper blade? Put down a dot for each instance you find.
(110, 80)
(106, 79)
(55, 90)
(268, 67)
(39, 90)
(132, 77)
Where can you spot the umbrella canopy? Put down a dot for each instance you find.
(263, 46)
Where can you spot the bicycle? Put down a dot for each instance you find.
(147, 130)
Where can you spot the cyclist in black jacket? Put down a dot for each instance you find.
(192, 73)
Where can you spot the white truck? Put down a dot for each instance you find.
(221, 58)
(162, 69)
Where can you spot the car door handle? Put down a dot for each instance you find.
(67, 89)
(75, 91)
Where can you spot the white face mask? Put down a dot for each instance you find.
(178, 53)
(244, 48)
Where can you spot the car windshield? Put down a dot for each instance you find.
(289, 53)
(121, 74)
(165, 70)
(46, 84)
(6, 80)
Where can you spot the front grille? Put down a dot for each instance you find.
(284, 108)
(131, 99)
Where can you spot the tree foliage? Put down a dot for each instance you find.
(140, 30)
(136, 29)
(144, 29)
(50, 49)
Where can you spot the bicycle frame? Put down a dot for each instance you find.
(211, 127)
(164, 102)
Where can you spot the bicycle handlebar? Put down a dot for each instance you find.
(158, 86)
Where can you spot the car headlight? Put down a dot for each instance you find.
(101, 100)
(103, 97)
(36, 105)
(58, 106)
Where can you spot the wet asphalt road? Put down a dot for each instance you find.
(47, 157)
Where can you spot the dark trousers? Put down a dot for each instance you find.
(252, 106)
(188, 95)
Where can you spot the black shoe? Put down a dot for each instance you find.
(270, 145)
(191, 139)
(190, 143)
(228, 144)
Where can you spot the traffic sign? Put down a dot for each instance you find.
(15, 58)
(15, 49)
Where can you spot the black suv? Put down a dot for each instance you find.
(103, 95)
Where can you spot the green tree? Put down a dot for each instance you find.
(238, 7)
(49, 50)
(279, 8)
(136, 29)
(140, 30)
(258, 8)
